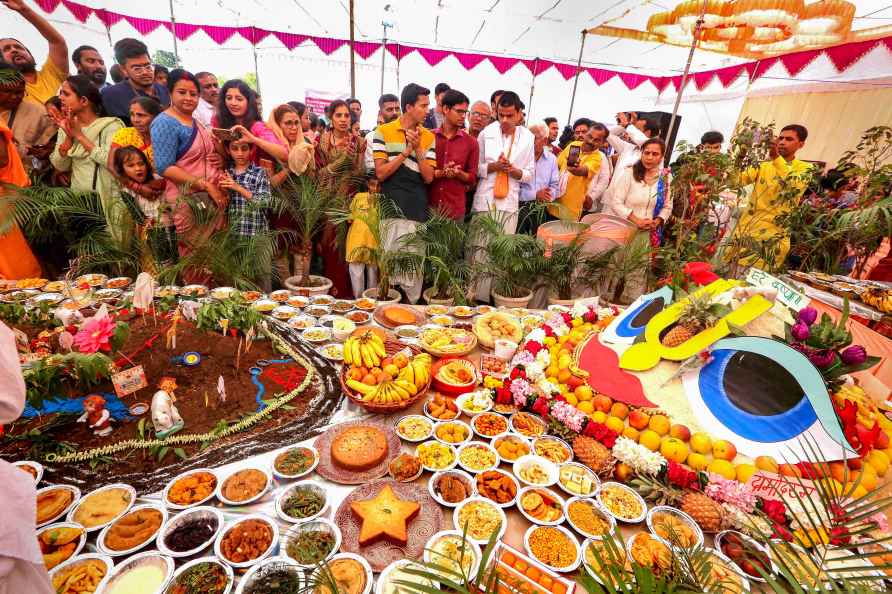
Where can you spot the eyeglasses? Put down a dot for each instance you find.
(478, 114)
(140, 67)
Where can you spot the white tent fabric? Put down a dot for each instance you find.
(548, 29)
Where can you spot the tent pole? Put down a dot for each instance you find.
(383, 57)
(256, 70)
(173, 31)
(352, 55)
(687, 71)
(532, 89)
(576, 78)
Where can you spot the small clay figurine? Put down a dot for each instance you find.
(96, 415)
(165, 416)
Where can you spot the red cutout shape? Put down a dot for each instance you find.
(605, 376)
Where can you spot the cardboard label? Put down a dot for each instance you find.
(785, 293)
(129, 381)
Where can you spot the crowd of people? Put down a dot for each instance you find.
(158, 134)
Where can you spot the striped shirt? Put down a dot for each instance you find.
(405, 188)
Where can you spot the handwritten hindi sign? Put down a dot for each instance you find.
(769, 485)
(785, 293)
(129, 381)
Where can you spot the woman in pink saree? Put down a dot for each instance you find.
(186, 155)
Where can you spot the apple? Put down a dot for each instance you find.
(639, 419)
(602, 402)
(680, 432)
(724, 450)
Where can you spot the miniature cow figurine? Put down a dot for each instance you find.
(165, 416)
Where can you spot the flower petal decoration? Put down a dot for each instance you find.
(94, 335)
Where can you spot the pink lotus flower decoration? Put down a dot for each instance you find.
(94, 335)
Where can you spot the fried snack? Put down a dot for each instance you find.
(490, 424)
(79, 578)
(441, 407)
(586, 518)
(435, 455)
(534, 473)
(191, 489)
(510, 448)
(405, 467)
(496, 485)
(620, 502)
(674, 529)
(649, 552)
(51, 503)
(527, 425)
(477, 457)
(452, 432)
(541, 505)
(552, 450)
(482, 519)
(452, 488)
(244, 485)
(133, 529)
(58, 544)
(101, 507)
(552, 547)
(246, 541)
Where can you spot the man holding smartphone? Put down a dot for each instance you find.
(579, 164)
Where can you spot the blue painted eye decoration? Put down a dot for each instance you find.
(765, 396)
(630, 324)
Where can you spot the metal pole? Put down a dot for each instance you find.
(687, 71)
(352, 55)
(173, 31)
(398, 65)
(383, 56)
(256, 70)
(576, 78)
(532, 89)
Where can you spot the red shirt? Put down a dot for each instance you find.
(448, 194)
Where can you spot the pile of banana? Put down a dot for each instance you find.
(411, 378)
(880, 299)
(366, 350)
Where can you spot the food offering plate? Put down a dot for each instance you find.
(427, 522)
(329, 470)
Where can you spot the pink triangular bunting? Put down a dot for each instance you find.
(364, 49)
(432, 56)
(47, 5)
(79, 11)
(220, 35)
(502, 64)
(702, 79)
(729, 75)
(144, 26)
(185, 30)
(290, 40)
(844, 56)
(600, 76)
(632, 81)
(328, 45)
(762, 66)
(108, 17)
(568, 71)
(469, 61)
(796, 63)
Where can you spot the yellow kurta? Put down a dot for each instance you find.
(571, 202)
(766, 203)
(359, 235)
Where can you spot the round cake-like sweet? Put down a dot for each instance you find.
(359, 448)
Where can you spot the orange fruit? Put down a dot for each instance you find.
(602, 402)
(790, 470)
(631, 433)
(583, 392)
(879, 461)
(674, 449)
(620, 410)
(701, 443)
(650, 439)
(615, 424)
(598, 416)
(724, 450)
(722, 467)
(766, 463)
(660, 424)
(639, 419)
(585, 407)
(697, 461)
(745, 471)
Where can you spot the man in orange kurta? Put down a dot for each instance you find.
(16, 259)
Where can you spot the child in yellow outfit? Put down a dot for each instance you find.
(363, 274)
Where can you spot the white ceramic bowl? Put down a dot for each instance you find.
(284, 312)
(513, 437)
(427, 413)
(385, 574)
(332, 351)
(242, 564)
(269, 564)
(172, 505)
(536, 419)
(407, 332)
(468, 432)
(369, 576)
(596, 482)
(486, 435)
(76, 497)
(548, 492)
(126, 487)
(456, 514)
(314, 524)
(222, 481)
(567, 533)
(290, 477)
(36, 466)
(517, 489)
(556, 440)
(525, 462)
(222, 293)
(461, 473)
(192, 514)
(472, 549)
(154, 557)
(77, 561)
(611, 522)
(316, 334)
(605, 557)
(665, 509)
(188, 565)
(313, 486)
(81, 541)
(422, 446)
(463, 403)
(280, 296)
(302, 322)
(479, 445)
(343, 334)
(632, 492)
(420, 419)
(103, 547)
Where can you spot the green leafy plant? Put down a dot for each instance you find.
(12, 313)
(446, 268)
(241, 317)
(569, 267)
(514, 263)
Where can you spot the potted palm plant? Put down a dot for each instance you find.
(446, 269)
(312, 203)
(513, 264)
(569, 269)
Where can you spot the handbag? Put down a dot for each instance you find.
(500, 189)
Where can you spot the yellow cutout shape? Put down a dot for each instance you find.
(645, 355)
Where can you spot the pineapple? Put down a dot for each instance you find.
(708, 513)
(699, 314)
(593, 454)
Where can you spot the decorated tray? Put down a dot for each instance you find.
(427, 522)
(329, 470)
(391, 316)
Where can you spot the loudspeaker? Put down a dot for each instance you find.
(663, 118)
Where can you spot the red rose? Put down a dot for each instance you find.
(590, 316)
(518, 372)
(124, 312)
(534, 347)
(540, 407)
(609, 440)
(839, 535)
(700, 272)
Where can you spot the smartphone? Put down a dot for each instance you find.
(224, 135)
(573, 155)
